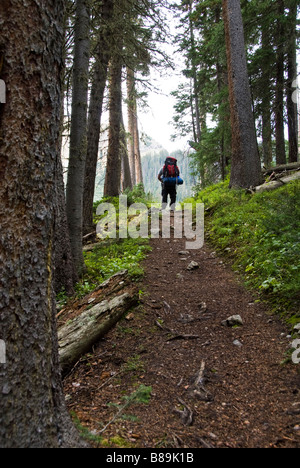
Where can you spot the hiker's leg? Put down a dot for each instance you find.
(173, 196)
(164, 198)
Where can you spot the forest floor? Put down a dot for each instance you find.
(207, 384)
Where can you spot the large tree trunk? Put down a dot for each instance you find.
(78, 137)
(95, 113)
(112, 184)
(197, 120)
(32, 408)
(246, 169)
(279, 118)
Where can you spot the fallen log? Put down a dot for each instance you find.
(277, 183)
(77, 336)
(284, 167)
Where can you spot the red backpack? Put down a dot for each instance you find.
(170, 168)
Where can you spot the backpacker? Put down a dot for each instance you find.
(170, 168)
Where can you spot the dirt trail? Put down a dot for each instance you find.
(245, 398)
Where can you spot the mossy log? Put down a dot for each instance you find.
(79, 334)
(277, 183)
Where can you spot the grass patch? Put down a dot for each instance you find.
(104, 261)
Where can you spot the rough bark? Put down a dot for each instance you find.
(99, 79)
(112, 184)
(32, 408)
(246, 169)
(111, 301)
(78, 136)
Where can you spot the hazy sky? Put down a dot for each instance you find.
(155, 122)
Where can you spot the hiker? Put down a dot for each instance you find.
(169, 178)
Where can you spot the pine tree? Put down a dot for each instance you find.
(246, 168)
(78, 137)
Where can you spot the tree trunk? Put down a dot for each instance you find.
(246, 169)
(78, 137)
(131, 112)
(292, 107)
(135, 160)
(279, 119)
(126, 175)
(113, 171)
(194, 76)
(65, 275)
(32, 408)
(95, 113)
(266, 106)
(137, 152)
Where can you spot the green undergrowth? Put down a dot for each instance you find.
(106, 260)
(113, 255)
(260, 234)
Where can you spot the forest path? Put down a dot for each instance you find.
(245, 398)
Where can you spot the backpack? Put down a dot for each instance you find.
(170, 168)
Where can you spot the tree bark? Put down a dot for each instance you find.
(131, 112)
(137, 151)
(198, 130)
(266, 100)
(32, 407)
(126, 175)
(112, 184)
(78, 137)
(135, 160)
(292, 107)
(246, 168)
(65, 275)
(95, 113)
(279, 118)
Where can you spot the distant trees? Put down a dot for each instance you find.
(78, 135)
(270, 45)
(110, 42)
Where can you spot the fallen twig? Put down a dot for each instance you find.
(187, 415)
(176, 335)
